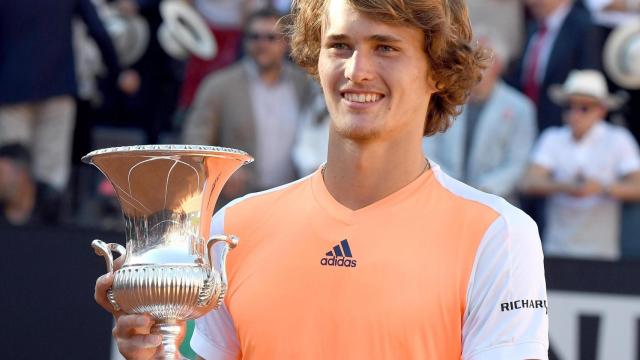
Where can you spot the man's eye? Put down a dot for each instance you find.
(339, 46)
(386, 48)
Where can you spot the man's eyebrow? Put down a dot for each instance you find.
(384, 38)
(374, 38)
(337, 37)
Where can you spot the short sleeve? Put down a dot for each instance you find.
(214, 337)
(629, 156)
(543, 154)
(506, 315)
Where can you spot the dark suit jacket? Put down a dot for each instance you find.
(36, 55)
(574, 48)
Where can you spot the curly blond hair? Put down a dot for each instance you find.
(455, 65)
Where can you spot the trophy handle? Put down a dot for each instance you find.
(217, 281)
(106, 250)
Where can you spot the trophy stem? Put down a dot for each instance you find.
(171, 338)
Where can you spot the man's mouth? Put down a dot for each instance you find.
(361, 97)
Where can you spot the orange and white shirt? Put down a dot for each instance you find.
(436, 270)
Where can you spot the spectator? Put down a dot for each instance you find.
(225, 19)
(310, 148)
(23, 200)
(489, 143)
(254, 105)
(37, 79)
(505, 17)
(559, 40)
(608, 15)
(586, 168)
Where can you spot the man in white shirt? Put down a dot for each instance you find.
(586, 168)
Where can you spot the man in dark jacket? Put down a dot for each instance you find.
(38, 80)
(559, 39)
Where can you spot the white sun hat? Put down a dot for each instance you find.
(129, 34)
(184, 31)
(589, 83)
(621, 55)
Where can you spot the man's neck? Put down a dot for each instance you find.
(271, 75)
(482, 92)
(357, 174)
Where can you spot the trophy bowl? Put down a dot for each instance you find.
(173, 269)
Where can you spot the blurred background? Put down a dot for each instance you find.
(553, 127)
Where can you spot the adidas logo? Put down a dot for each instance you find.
(339, 256)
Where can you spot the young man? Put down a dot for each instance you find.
(378, 255)
(586, 169)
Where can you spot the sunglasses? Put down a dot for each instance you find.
(270, 37)
(580, 107)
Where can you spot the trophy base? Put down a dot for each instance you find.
(170, 330)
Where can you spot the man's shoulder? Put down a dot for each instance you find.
(617, 131)
(250, 206)
(479, 204)
(225, 77)
(509, 94)
(556, 133)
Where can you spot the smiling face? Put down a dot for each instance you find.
(374, 75)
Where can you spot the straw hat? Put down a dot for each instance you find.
(589, 83)
(184, 32)
(622, 55)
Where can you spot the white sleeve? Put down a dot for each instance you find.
(543, 153)
(629, 158)
(214, 337)
(506, 316)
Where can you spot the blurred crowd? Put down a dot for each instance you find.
(547, 128)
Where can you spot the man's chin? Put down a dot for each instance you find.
(359, 133)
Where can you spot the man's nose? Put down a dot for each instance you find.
(359, 67)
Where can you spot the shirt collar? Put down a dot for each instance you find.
(555, 20)
(594, 133)
(252, 70)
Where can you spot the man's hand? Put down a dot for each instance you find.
(586, 187)
(127, 7)
(129, 81)
(131, 332)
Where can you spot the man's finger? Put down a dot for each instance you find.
(140, 346)
(130, 325)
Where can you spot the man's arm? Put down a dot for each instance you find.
(506, 313)
(201, 124)
(538, 181)
(627, 188)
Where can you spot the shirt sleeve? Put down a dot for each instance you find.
(628, 153)
(506, 315)
(96, 29)
(543, 152)
(215, 337)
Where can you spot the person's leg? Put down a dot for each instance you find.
(52, 141)
(16, 124)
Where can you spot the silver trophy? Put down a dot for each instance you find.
(171, 269)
